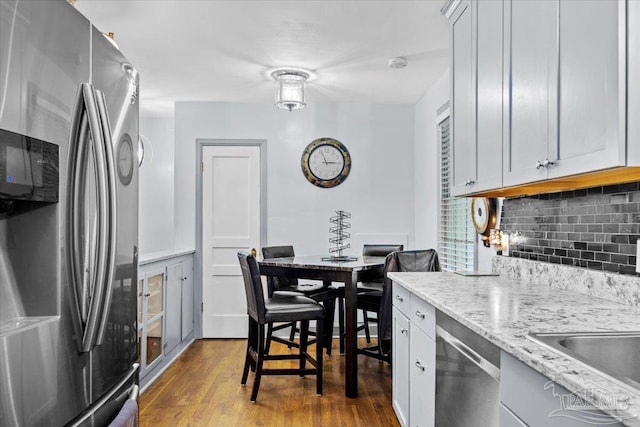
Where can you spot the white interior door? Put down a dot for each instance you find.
(230, 223)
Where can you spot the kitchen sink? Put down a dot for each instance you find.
(615, 354)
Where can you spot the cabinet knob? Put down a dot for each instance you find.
(403, 331)
(420, 314)
(539, 165)
(147, 294)
(399, 298)
(419, 365)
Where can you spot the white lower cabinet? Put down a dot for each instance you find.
(422, 379)
(529, 398)
(179, 302)
(165, 311)
(400, 367)
(414, 356)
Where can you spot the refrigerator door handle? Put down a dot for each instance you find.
(89, 298)
(77, 170)
(111, 213)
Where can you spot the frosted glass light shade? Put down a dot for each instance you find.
(290, 89)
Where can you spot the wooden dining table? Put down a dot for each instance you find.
(347, 272)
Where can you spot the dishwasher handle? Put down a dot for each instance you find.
(469, 353)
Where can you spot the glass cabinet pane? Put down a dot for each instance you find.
(155, 289)
(154, 340)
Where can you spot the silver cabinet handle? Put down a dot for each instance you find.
(420, 315)
(544, 164)
(469, 182)
(399, 298)
(403, 331)
(419, 365)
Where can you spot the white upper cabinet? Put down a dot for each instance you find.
(591, 103)
(463, 99)
(539, 91)
(489, 96)
(531, 61)
(477, 96)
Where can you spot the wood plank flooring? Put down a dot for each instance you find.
(202, 388)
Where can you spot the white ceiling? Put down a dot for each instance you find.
(203, 50)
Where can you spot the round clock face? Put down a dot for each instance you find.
(483, 214)
(125, 160)
(326, 162)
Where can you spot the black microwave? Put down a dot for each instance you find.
(29, 168)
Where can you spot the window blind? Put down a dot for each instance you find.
(456, 236)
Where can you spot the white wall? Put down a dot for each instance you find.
(378, 192)
(156, 195)
(426, 164)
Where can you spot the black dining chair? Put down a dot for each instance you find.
(316, 291)
(281, 307)
(375, 283)
(370, 282)
(379, 302)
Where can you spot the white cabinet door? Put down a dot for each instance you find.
(592, 88)
(531, 61)
(463, 99)
(173, 309)
(422, 379)
(400, 366)
(489, 94)
(187, 298)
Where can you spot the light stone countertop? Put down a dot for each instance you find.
(505, 309)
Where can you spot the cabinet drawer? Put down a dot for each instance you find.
(401, 298)
(423, 315)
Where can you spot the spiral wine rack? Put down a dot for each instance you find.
(339, 230)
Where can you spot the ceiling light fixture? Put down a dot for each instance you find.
(290, 88)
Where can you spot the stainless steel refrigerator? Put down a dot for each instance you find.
(68, 218)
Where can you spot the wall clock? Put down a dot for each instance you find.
(124, 159)
(484, 217)
(326, 162)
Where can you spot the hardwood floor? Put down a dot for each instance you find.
(202, 388)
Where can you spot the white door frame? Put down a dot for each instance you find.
(200, 144)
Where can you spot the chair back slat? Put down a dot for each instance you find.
(380, 250)
(275, 283)
(252, 286)
(418, 260)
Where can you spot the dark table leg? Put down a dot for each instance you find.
(351, 353)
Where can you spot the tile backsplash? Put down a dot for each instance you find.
(595, 228)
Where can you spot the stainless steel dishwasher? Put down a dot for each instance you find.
(467, 376)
